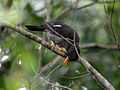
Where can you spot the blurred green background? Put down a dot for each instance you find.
(98, 21)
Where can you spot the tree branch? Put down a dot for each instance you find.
(99, 46)
(36, 39)
(83, 7)
(50, 65)
(53, 84)
(104, 82)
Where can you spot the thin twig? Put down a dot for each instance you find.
(99, 46)
(50, 65)
(76, 76)
(72, 9)
(49, 9)
(53, 84)
(51, 72)
(82, 7)
(111, 24)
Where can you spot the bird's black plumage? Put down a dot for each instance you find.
(62, 35)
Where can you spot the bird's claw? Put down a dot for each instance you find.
(62, 49)
(52, 45)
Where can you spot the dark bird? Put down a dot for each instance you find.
(62, 36)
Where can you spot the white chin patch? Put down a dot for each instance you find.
(57, 25)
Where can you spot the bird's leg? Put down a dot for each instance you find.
(62, 49)
(66, 61)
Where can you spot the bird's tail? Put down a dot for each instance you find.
(35, 27)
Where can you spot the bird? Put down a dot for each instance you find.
(62, 36)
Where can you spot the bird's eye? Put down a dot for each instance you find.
(57, 25)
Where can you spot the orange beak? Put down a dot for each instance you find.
(66, 61)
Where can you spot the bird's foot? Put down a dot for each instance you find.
(52, 44)
(66, 61)
(62, 49)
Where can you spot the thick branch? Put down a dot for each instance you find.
(85, 63)
(107, 85)
(37, 39)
